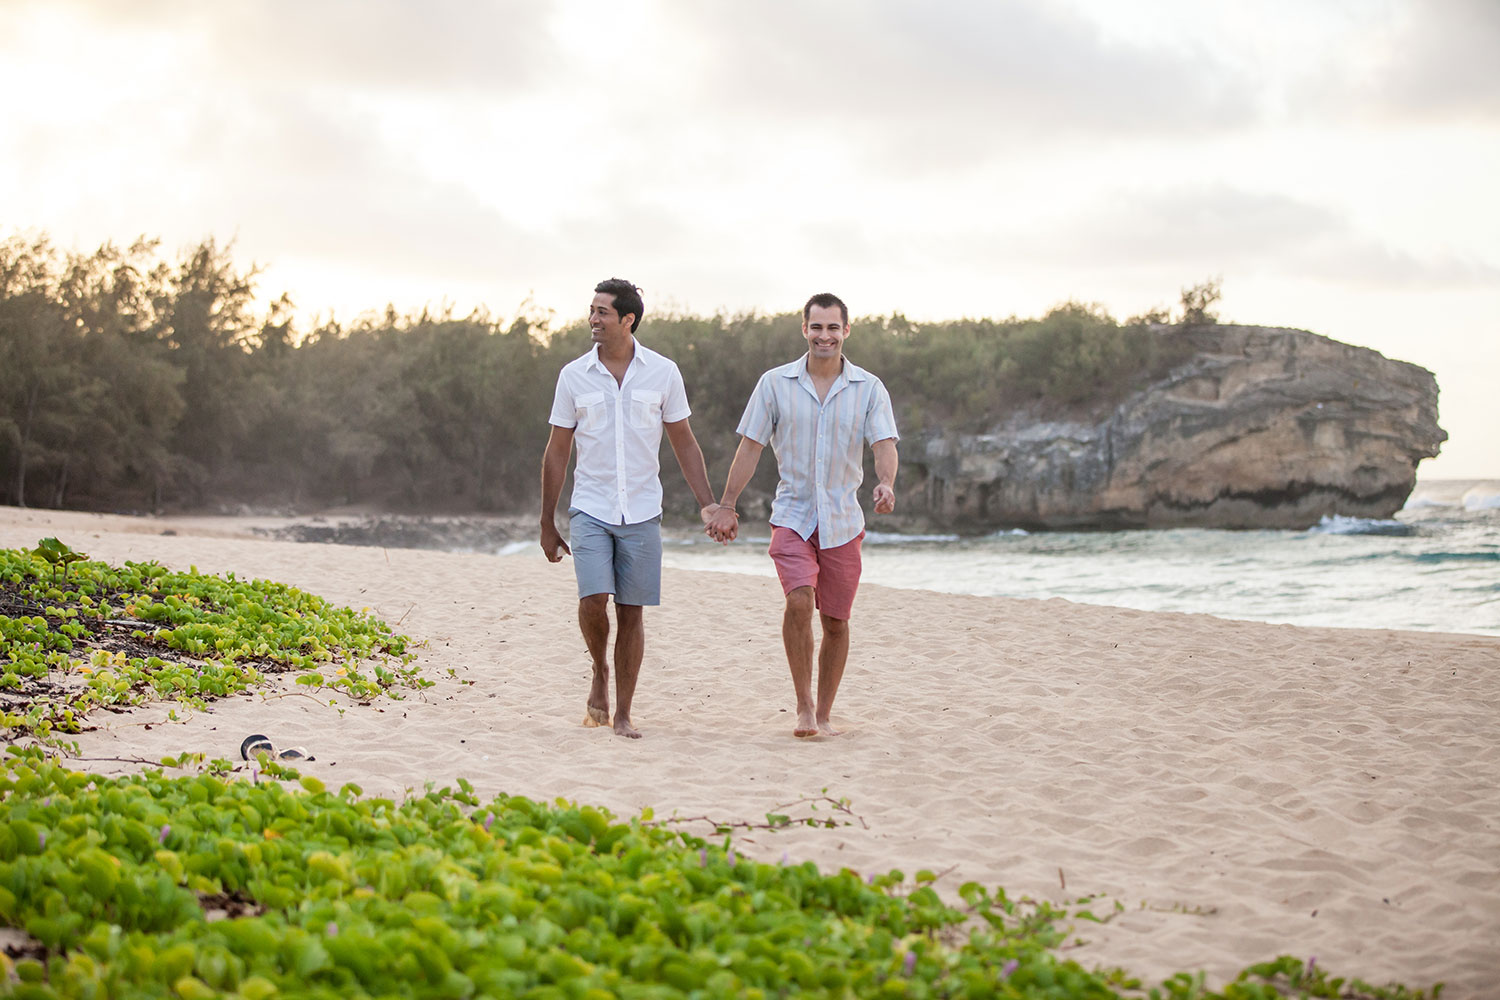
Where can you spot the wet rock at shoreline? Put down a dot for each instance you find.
(452, 534)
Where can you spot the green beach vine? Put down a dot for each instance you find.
(211, 885)
(78, 635)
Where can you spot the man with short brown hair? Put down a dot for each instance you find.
(817, 413)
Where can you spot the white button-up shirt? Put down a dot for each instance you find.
(617, 430)
(819, 445)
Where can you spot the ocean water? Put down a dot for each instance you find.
(1435, 566)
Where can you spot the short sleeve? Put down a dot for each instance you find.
(759, 421)
(880, 419)
(562, 405)
(675, 406)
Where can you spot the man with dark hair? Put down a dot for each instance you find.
(817, 413)
(627, 299)
(614, 403)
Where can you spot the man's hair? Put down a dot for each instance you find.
(826, 300)
(627, 298)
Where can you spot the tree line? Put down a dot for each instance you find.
(133, 381)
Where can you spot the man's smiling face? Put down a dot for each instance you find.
(605, 321)
(825, 330)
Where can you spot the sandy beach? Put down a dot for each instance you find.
(1242, 790)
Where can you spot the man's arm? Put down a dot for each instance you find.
(885, 474)
(690, 461)
(724, 525)
(554, 471)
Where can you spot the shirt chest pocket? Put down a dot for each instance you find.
(588, 410)
(645, 408)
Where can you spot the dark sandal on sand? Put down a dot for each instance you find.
(255, 744)
(258, 744)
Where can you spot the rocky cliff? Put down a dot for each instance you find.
(1260, 428)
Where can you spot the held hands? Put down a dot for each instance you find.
(885, 499)
(553, 546)
(721, 523)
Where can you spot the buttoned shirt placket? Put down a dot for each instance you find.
(617, 390)
(821, 442)
(621, 496)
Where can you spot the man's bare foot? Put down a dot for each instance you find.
(806, 726)
(825, 728)
(624, 728)
(598, 708)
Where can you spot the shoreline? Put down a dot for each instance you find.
(1242, 790)
(365, 525)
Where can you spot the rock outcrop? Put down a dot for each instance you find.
(1260, 428)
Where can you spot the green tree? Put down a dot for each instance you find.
(42, 385)
(203, 316)
(135, 403)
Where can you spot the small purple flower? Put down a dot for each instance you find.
(784, 857)
(488, 822)
(41, 839)
(332, 929)
(161, 838)
(702, 857)
(1009, 969)
(909, 963)
(871, 879)
(729, 856)
(1312, 963)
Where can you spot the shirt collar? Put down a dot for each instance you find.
(640, 358)
(798, 368)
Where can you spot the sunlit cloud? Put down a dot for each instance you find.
(393, 45)
(1226, 230)
(1404, 64)
(973, 73)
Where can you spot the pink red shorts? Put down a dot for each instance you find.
(833, 574)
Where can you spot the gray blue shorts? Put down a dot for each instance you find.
(619, 559)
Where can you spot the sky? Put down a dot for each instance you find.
(1332, 163)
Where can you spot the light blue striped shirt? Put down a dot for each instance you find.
(819, 445)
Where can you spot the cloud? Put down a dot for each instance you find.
(1370, 263)
(953, 72)
(321, 183)
(1227, 230)
(1446, 61)
(440, 45)
(292, 176)
(1217, 222)
(1424, 60)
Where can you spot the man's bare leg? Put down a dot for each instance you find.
(630, 649)
(593, 622)
(797, 637)
(832, 655)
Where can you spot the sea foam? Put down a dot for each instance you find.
(1482, 498)
(1337, 524)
